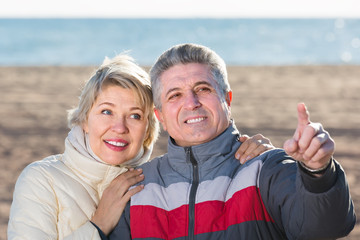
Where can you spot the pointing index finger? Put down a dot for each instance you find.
(303, 115)
(303, 120)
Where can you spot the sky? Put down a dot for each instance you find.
(180, 8)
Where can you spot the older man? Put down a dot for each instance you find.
(198, 190)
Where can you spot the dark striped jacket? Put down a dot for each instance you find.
(203, 192)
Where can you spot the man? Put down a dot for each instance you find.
(198, 190)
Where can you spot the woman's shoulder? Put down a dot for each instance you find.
(45, 163)
(42, 168)
(37, 179)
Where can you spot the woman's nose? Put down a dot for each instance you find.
(120, 126)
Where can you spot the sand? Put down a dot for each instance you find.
(34, 101)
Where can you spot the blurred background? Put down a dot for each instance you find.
(278, 53)
(82, 32)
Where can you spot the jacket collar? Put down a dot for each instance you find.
(96, 174)
(207, 154)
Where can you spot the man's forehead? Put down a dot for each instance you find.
(183, 75)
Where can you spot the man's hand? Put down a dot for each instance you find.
(311, 144)
(252, 147)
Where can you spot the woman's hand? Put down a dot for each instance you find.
(252, 147)
(114, 199)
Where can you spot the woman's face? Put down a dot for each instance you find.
(116, 125)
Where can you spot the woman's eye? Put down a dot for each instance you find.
(136, 116)
(106, 112)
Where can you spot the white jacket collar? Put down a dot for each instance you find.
(88, 166)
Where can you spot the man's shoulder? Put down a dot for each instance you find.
(276, 153)
(274, 157)
(158, 173)
(155, 163)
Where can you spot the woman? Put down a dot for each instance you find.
(113, 130)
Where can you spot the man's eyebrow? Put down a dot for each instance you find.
(172, 90)
(203, 82)
(196, 84)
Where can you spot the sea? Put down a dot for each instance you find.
(256, 41)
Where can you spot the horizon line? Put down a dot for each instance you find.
(176, 17)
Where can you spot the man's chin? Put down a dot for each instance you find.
(190, 140)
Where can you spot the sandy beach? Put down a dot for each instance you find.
(34, 101)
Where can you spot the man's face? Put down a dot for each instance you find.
(193, 111)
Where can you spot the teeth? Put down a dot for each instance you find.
(118, 144)
(195, 120)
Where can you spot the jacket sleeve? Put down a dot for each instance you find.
(122, 229)
(304, 207)
(86, 232)
(34, 210)
(33, 213)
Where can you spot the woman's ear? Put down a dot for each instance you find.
(147, 133)
(85, 127)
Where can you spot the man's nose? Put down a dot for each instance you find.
(191, 101)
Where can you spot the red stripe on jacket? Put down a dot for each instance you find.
(210, 216)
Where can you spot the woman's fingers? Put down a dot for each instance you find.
(115, 198)
(252, 147)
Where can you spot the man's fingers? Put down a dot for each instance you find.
(314, 148)
(290, 146)
(303, 114)
(310, 144)
(325, 152)
(315, 144)
(309, 133)
(321, 147)
(303, 120)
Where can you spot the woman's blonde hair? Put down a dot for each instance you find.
(124, 72)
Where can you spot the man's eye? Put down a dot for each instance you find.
(136, 116)
(203, 89)
(174, 96)
(106, 112)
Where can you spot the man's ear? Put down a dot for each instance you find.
(159, 116)
(228, 98)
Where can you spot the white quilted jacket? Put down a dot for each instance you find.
(56, 197)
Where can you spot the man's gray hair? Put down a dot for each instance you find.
(188, 53)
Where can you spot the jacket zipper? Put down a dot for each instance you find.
(192, 197)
